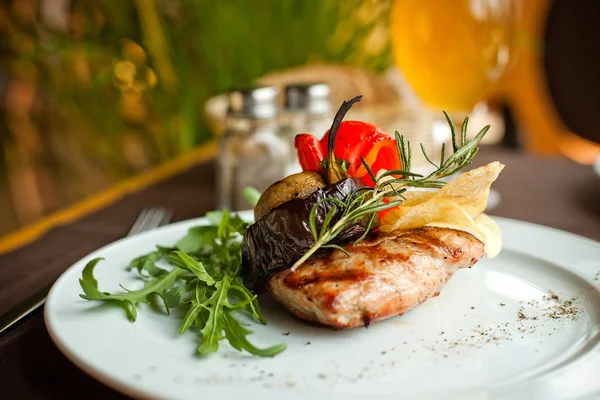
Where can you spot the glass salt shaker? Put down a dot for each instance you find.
(307, 109)
(251, 152)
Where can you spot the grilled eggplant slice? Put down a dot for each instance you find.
(283, 236)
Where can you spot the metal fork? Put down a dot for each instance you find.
(149, 218)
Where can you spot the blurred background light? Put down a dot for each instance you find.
(95, 91)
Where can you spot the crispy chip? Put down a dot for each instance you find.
(458, 205)
(471, 189)
(417, 197)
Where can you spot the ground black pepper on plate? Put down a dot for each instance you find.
(550, 307)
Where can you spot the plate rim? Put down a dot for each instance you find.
(135, 391)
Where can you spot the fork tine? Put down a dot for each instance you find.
(167, 217)
(159, 214)
(147, 222)
(139, 222)
(151, 218)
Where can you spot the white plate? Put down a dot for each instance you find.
(404, 357)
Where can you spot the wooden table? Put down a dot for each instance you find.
(548, 191)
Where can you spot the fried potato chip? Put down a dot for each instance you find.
(417, 197)
(458, 205)
(472, 189)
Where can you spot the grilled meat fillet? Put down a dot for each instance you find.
(386, 276)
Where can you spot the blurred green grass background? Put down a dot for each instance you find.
(94, 91)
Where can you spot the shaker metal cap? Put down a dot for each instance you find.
(257, 102)
(310, 97)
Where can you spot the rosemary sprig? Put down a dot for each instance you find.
(366, 202)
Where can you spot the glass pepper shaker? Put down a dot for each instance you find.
(250, 151)
(307, 109)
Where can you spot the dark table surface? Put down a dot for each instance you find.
(549, 191)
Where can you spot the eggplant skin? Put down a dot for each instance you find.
(283, 236)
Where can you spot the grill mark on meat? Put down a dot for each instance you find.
(348, 276)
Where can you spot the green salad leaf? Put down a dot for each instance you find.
(201, 273)
(252, 195)
(199, 239)
(163, 286)
(146, 264)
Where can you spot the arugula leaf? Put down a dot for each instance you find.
(182, 260)
(230, 225)
(190, 317)
(199, 240)
(206, 264)
(212, 331)
(88, 283)
(172, 297)
(197, 302)
(214, 217)
(252, 195)
(146, 264)
(237, 336)
(246, 298)
(164, 286)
